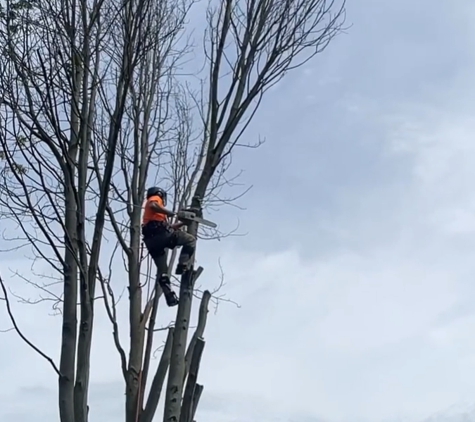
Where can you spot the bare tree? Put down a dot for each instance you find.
(250, 46)
(91, 103)
(72, 77)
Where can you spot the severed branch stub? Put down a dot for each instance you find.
(200, 329)
(196, 399)
(186, 414)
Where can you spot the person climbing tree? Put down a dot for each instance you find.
(158, 234)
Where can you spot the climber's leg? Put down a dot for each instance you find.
(188, 244)
(156, 236)
(162, 278)
(156, 248)
(159, 257)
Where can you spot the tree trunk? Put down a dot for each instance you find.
(137, 326)
(69, 327)
(177, 362)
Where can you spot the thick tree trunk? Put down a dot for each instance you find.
(177, 363)
(81, 387)
(69, 327)
(136, 349)
(177, 371)
(137, 326)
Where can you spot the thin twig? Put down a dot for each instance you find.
(20, 333)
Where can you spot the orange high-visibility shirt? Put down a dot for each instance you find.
(151, 215)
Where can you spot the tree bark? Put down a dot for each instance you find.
(187, 407)
(158, 380)
(196, 399)
(200, 329)
(69, 324)
(177, 362)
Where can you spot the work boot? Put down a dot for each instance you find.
(180, 269)
(170, 296)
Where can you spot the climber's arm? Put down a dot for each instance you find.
(162, 210)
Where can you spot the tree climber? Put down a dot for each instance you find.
(159, 234)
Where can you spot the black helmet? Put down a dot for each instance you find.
(156, 191)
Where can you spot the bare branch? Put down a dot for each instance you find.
(112, 314)
(19, 332)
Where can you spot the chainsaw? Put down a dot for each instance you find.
(187, 216)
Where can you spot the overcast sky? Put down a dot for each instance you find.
(356, 278)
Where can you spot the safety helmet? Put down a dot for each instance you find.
(156, 191)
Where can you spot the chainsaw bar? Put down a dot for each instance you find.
(191, 216)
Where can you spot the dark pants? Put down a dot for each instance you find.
(159, 236)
